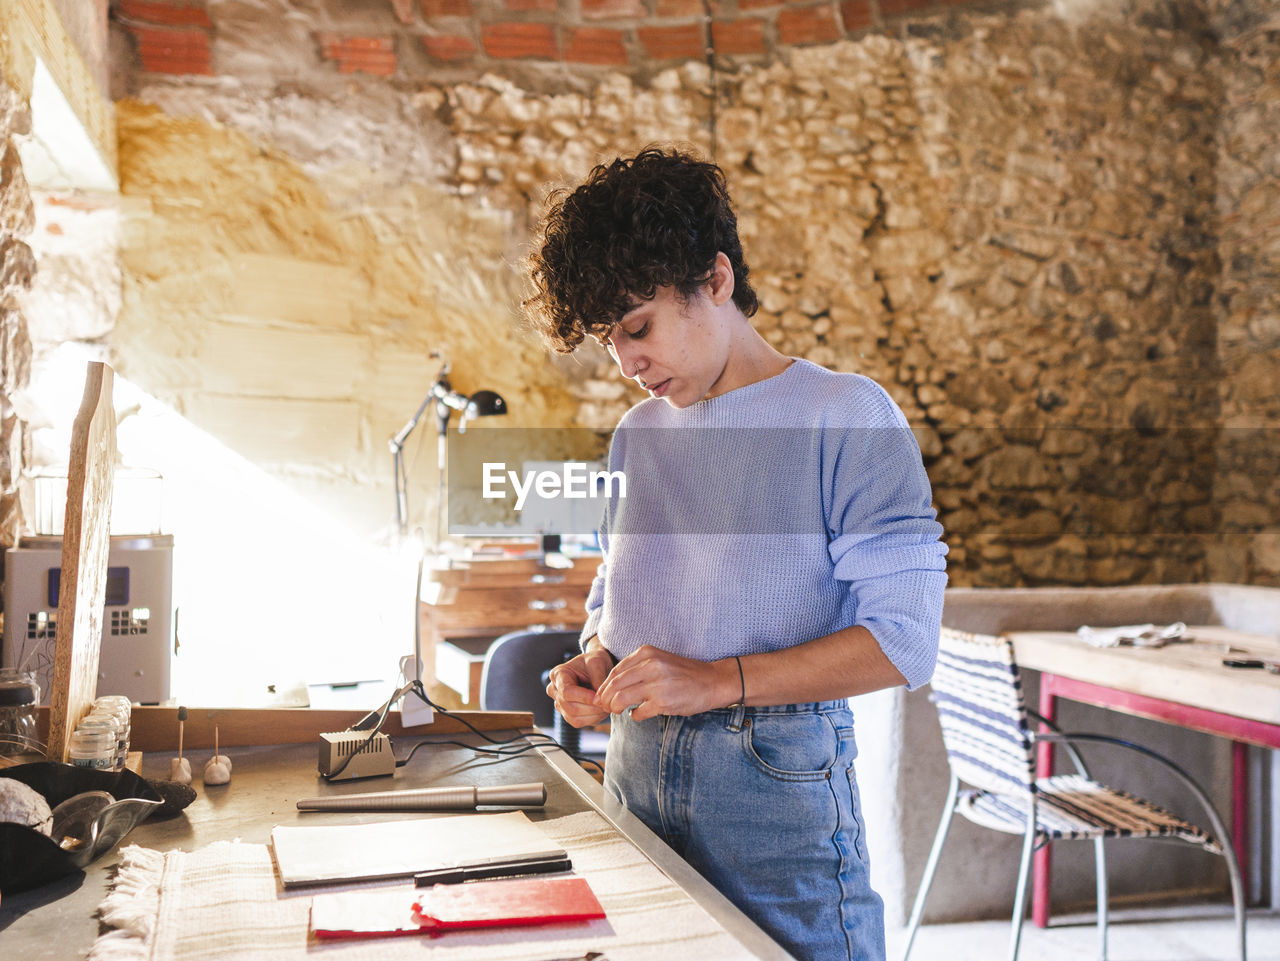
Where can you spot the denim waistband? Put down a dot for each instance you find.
(813, 707)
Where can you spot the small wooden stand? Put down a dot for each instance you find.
(86, 539)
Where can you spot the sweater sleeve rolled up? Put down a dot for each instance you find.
(886, 546)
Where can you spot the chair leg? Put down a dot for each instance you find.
(1100, 864)
(931, 866)
(1237, 892)
(1020, 895)
(1219, 829)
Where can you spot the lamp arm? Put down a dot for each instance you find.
(438, 390)
(451, 398)
(396, 443)
(442, 392)
(447, 400)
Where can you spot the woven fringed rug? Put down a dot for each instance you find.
(224, 901)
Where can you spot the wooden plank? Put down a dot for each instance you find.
(1185, 673)
(156, 728)
(520, 607)
(482, 576)
(86, 539)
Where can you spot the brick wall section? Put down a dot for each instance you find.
(805, 25)
(169, 37)
(598, 45)
(432, 9)
(856, 14)
(374, 55)
(685, 42)
(742, 36)
(448, 46)
(612, 9)
(639, 36)
(679, 8)
(173, 51)
(514, 39)
(156, 12)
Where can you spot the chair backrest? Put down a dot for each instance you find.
(978, 693)
(514, 665)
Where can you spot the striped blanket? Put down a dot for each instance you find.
(224, 901)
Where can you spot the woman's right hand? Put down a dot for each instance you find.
(572, 685)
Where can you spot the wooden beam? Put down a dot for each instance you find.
(156, 728)
(32, 29)
(86, 539)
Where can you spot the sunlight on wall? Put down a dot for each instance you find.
(271, 594)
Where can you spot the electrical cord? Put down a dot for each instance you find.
(532, 740)
(374, 720)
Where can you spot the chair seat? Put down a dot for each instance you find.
(1071, 806)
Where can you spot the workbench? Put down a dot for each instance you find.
(57, 922)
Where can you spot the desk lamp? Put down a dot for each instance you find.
(483, 403)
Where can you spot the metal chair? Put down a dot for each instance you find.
(514, 678)
(990, 747)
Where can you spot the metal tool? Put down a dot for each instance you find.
(432, 799)
(1272, 667)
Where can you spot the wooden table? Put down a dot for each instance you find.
(57, 921)
(1182, 683)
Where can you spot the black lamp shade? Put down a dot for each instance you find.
(484, 403)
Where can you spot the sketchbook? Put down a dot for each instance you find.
(334, 853)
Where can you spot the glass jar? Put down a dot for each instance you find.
(93, 748)
(19, 695)
(111, 705)
(107, 725)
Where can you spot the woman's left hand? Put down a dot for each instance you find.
(659, 682)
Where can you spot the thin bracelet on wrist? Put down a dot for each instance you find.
(742, 685)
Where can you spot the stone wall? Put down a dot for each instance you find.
(1247, 305)
(17, 267)
(973, 217)
(287, 301)
(1028, 226)
(58, 281)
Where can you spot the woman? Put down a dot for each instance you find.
(776, 553)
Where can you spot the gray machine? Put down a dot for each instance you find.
(137, 625)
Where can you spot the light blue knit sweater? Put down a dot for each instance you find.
(769, 516)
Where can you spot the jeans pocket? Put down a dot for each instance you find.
(792, 747)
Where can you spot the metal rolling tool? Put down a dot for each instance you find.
(464, 798)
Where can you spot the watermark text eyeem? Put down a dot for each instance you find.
(573, 482)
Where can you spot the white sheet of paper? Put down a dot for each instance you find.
(329, 853)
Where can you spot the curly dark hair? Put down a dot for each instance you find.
(655, 220)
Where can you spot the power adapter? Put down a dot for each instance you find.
(368, 756)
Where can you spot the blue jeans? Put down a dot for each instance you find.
(763, 802)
